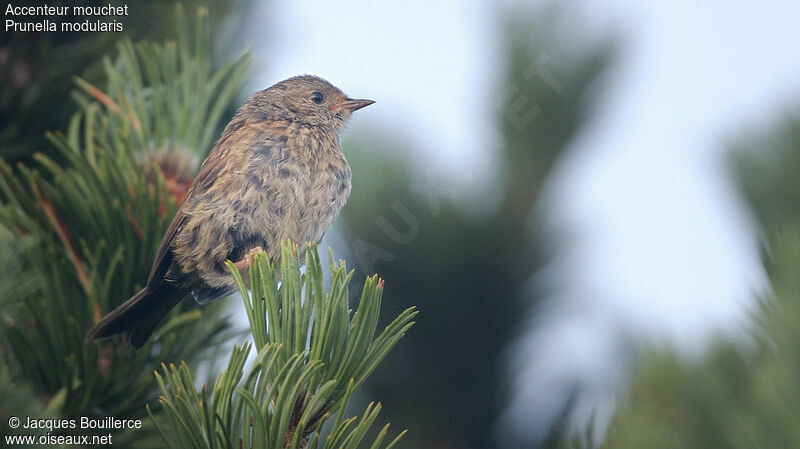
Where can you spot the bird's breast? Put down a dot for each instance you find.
(292, 197)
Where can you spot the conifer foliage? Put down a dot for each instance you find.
(90, 215)
(312, 352)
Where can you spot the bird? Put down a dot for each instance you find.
(276, 173)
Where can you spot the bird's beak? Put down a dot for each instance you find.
(352, 104)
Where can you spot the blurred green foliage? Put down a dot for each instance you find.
(467, 272)
(766, 165)
(737, 397)
(17, 397)
(36, 69)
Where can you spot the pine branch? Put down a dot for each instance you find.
(312, 353)
(94, 213)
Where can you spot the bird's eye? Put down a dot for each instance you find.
(317, 97)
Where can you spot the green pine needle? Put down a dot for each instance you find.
(313, 352)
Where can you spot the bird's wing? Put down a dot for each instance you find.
(209, 173)
(164, 256)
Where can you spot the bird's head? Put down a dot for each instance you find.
(309, 100)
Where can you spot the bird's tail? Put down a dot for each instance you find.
(137, 318)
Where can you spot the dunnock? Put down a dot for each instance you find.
(276, 173)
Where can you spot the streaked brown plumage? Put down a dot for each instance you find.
(276, 173)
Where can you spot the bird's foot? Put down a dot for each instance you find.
(247, 260)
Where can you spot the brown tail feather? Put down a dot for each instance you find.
(138, 317)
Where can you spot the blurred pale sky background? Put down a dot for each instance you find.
(665, 249)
